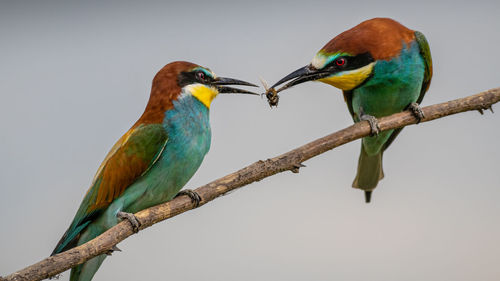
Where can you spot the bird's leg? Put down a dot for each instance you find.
(131, 218)
(417, 111)
(375, 129)
(195, 197)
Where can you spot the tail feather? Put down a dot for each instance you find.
(86, 271)
(368, 196)
(78, 236)
(69, 239)
(369, 173)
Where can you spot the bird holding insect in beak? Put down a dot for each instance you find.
(153, 160)
(383, 68)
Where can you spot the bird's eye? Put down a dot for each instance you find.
(201, 76)
(340, 62)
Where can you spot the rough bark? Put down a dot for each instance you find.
(255, 172)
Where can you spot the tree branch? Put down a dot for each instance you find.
(255, 172)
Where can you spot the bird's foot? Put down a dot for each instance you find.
(195, 197)
(372, 120)
(417, 111)
(112, 250)
(131, 218)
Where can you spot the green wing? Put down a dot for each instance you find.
(425, 52)
(348, 101)
(132, 156)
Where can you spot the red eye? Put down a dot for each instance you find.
(340, 62)
(201, 75)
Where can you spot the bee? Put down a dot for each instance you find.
(271, 94)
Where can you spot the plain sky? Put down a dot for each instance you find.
(75, 75)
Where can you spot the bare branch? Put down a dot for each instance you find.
(291, 160)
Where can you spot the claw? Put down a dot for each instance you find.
(195, 197)
(372, 120)
(417, 111)
(131, 218)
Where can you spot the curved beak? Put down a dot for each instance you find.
(301, 75)
(220, 83)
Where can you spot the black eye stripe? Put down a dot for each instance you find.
(351, 62)
(192, 77)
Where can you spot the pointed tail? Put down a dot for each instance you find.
(73, 238)
(86, 271)
(370, 172)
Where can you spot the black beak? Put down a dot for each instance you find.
(221, 81)
(301, 75)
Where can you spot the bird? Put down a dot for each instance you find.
(382, 68)
(153, 160)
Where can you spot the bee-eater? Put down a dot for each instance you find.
(382, 67)
(153, 160)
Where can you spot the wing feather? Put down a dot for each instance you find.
(132, 155)
(425, 52)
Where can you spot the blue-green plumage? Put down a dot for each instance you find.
(382, 67)
(188, 129)
(393, 86)
(152, 161)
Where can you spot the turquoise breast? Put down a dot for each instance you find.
(394, 85)
(189, 136)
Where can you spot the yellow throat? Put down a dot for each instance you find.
(205, 94)
(349, 80)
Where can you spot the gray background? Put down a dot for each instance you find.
(75, 76)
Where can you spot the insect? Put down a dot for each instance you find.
(271, 94)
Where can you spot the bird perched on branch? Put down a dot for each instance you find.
(153, 160)
(383, 68)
